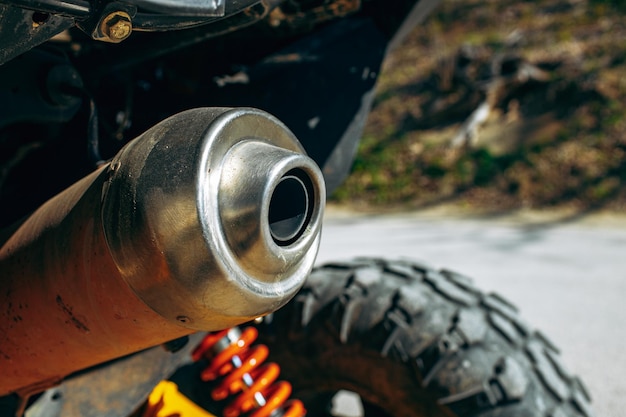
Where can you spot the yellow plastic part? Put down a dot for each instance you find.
(166, 401)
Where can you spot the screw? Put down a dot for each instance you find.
(183, 319)
(116, 27)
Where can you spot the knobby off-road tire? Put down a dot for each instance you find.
(414, 341)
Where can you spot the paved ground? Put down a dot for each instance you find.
(567, 278)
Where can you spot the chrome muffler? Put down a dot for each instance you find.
(209, 219)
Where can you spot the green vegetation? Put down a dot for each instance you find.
(556, 142)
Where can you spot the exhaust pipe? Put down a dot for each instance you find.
(209, 219)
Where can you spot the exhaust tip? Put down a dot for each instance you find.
(275, 221)
(291, 207)
(230, 232)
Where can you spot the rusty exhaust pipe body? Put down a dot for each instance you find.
(208, 220)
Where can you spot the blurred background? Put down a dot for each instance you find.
(497, 147)
(500, 105)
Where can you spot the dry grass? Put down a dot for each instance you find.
(547, 144)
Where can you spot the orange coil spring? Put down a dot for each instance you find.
(242, 372)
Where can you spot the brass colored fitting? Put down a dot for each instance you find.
(116, 27)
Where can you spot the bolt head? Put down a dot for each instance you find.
(116, 26)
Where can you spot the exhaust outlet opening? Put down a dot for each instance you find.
(291, 207)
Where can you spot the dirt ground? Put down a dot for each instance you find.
(552, 74)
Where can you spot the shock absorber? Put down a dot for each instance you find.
(241, 372)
